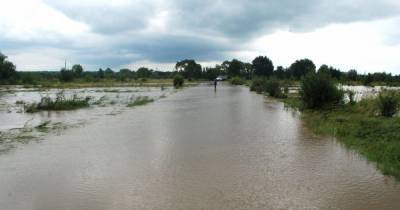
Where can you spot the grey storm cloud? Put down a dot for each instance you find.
(199, 29)
(231, 18)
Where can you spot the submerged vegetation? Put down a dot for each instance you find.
(61, 102)
(140, 101)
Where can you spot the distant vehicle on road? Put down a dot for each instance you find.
(221, 78)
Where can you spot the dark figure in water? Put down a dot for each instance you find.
(215, 84)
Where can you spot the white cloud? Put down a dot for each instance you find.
(31, 20)
(361, 45)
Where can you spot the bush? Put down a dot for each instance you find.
(273, 88)
(257, 85)
(238, 81)
(318, 90)
(388, 103)
(178, 81)
(66, 75)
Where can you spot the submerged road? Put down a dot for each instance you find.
(196, 149)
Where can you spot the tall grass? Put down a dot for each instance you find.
(388, 103)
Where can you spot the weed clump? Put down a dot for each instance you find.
(61, 102)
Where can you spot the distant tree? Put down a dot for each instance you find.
(225, 66)
(189, 68)
(211, 73)
(263, 66)
(7, 69)
(66, 75)
(280, 72)
(352, 75)
(302, 67)
(368, 79)
(334, 73)
(248, 70)
(100, 73)
(235, 68)
(108, 73)
(77, 69)
(143, 72)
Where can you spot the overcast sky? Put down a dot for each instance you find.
(41, 34)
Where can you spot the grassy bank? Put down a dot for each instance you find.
(360, 128)
(368, 126)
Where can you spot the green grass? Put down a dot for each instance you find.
(140, 101)
(359, 128)
(58, 104)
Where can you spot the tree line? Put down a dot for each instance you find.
(261, 66)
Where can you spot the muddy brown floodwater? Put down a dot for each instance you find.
(196, 149)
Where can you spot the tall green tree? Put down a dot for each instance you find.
(329, 70)
(100, 73)
(247, 70)
(77, 69)
(235, 68)
(189, 68)
(7, 69)
(352, 75)
(143, 72)
(302, 67)
(280, 72)
(263, 66)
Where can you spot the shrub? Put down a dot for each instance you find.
(237, 81)
(388, 103)
(273, 88)
(318, 90)
(178, 81)
(257, 85)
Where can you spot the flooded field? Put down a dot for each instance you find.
(195, 149)
(18, 125)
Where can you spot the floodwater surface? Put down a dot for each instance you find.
(196, 149)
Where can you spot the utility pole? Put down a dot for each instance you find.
(65, 64)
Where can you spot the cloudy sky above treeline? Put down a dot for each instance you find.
(41, 34)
